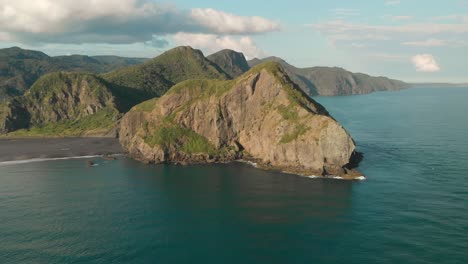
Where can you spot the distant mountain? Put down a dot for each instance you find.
(329, 81)
(156, 76)
(77, 104)
(231, 62)
(20, 68)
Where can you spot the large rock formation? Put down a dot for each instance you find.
(261, 116)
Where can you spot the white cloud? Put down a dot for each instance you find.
(429, 34)
(221, 22)
(392, 2)
(335, 27)
(211, 43)
(110, 21)
(425, 63)
(426, 43)
(398, 18)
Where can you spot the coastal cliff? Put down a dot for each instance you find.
(261, 116)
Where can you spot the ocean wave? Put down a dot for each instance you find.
(248, 162)
(16, 162)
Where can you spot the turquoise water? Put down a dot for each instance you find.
(412, 208)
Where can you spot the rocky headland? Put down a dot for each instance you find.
(261, 116)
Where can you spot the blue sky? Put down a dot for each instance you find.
(412, 40)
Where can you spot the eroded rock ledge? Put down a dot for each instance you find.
(261, 116)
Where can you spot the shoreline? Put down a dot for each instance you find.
(24, 149)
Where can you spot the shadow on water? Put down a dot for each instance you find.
(242, 213)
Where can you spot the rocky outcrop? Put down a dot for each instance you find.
(261, 116)
(61, 95)
(13, 116)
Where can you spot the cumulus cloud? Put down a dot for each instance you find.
(425, 63)
(109, 21)
(221, 22)
(211, 43)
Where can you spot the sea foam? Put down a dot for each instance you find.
(16, 162)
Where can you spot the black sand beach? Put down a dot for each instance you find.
(39, 148)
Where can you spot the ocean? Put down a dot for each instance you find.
(412, 208)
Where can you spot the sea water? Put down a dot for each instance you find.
(411, 209)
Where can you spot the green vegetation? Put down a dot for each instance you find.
(156, 76)
(295, 95)
(184, 139)
(299, 130)
(103, 121)
(200, 89)
(146, 106)
(288, 112)
(20, 68)
(331, 81)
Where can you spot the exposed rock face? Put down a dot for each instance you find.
(13, 116)
(231, 62)
(60, 95)
(260, 116)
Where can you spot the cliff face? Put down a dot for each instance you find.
(61, 96)
(63, 100)
(261, 116)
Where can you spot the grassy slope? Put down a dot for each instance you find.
(156, 76)
(20, 68)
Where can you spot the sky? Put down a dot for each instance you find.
(410, 40)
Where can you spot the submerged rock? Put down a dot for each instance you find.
(261, 116)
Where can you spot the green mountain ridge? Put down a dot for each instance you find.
(20, 68)
(59, 102)
(332, 81)
(157, 75)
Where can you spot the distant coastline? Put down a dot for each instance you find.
(438, 85)
(20, 149)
